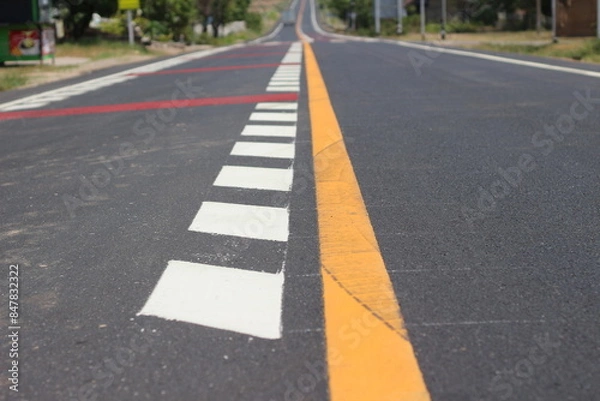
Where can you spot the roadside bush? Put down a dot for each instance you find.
(462, 27)
(164, 38)
(143, 23)
(389, 27)
(114, 26)
(157, 29)
(590, 48)
(433, 28)
(411, 23)
(254, 22)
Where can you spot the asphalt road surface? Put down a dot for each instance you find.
(176, 226)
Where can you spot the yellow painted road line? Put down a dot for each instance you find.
(370, 357)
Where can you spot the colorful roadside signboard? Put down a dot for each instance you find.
(129, 4)
(26, 30)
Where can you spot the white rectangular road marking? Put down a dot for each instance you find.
(247, 221)
(277, 106)
(283, 89)
(269, 130)
(292, 58)
(271, 179)
(286, 83)
(264, 149)
(242, 301)
(285, 117)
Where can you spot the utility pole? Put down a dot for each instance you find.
(444, 16)
(377, 17)
(554, 39)
(130, 27)
(400, 10)
(538, 16)
(422, 12)
(598, 19)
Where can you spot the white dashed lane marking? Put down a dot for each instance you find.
(220, 297)
(231, 298)
(270, 130)
(247, 221)
(273, 179)
(287, 76)
(264, 149)
(277, 106)
(283, 88)
(287, 82)
(280, 117)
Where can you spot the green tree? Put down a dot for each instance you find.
(78, 14)
(177, 15)
(362, 8)
(220, 15)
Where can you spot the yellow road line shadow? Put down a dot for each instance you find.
(370, 357)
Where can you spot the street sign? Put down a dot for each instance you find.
(129, 4)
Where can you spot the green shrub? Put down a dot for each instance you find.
(157, 29)
(411, 23)
(594, 46)
(462, 27)
(164, 38)
(433, 28)
(143, 23)
(254, 22)
(389, 27)
(114, 26)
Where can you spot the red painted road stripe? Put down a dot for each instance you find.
(162, 104)
(247, 55)
(209, 69)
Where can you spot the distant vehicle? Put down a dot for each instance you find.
(288, 17)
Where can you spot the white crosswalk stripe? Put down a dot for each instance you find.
(274, 179)
(264, 149)
(248, 221)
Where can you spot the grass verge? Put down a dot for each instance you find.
(96, 49)
(11, 79)
(587, 50)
